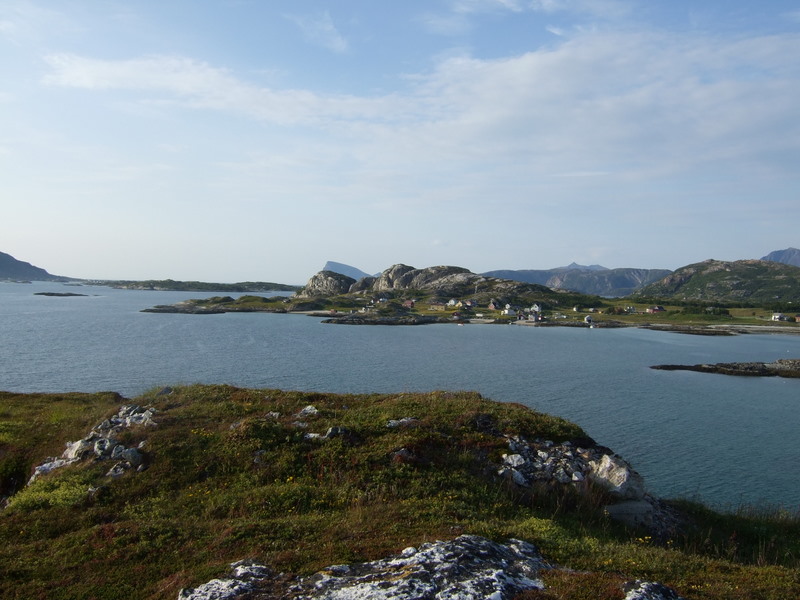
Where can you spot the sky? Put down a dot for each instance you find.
(255, 140)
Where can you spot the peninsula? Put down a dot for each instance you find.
(203, 492)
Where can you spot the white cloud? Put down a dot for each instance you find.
(319, 29)
(628, 105)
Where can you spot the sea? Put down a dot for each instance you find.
(730, 442)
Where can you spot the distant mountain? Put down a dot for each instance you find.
(573, 266)
(790, 256)
(11, 268)
(594, 279)
(343, 269)
(751, 281)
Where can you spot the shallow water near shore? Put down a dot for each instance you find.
(725, 440)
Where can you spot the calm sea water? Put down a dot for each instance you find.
(724, 440)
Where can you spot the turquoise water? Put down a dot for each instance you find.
(725, 440)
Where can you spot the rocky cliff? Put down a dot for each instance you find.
(443, 281)
(326, 283)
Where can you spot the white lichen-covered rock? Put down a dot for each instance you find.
(50, 465)
(648, 590)
(616, 475)
(241, 580)
(100, 444)
(466, 568)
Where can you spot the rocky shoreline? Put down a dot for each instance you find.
(783, 367)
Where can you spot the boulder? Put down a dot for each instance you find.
(616, 476)
(240, 581)
(326, 283)
(648, 590)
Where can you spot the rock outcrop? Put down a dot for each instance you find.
(783, 367)
(541, 462)
(469, 567)
(101, 444)
(397, 277)
(326, 283)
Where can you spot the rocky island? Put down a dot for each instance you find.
(783, 367)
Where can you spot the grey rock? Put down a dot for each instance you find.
(132, 456)
(514, 460)
(648, 590)
(617, 476)
(103, 446)
(336, 432)
(118, 470)
(404, 422)
(240, 581)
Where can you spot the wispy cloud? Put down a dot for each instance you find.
(596, 8)
(477, 6)
(793, 16)
(450, 24)
(627, 105)
(319, 29)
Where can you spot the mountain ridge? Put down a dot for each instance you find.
(12, 268)
(748, 281)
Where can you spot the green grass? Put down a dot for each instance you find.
(227, 481)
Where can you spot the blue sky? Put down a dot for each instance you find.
(232, 140)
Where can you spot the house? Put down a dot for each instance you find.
(778, 317)
(452, 302)
(408, 304)
(655, 309)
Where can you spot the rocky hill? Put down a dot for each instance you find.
(610, 283)
(790, 256)
(11, 268)
(748, 281)
(217, 492)
(442, 282)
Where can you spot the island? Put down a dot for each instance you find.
(58, 294)
(783, 367)
(404, 295)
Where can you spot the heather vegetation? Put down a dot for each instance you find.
(237, 473)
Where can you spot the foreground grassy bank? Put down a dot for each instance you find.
(232, 473)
